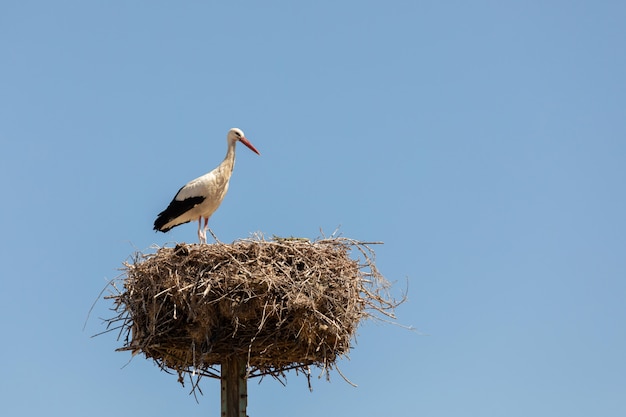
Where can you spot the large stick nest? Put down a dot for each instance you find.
(281, 304)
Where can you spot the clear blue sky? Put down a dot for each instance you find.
(484, 142)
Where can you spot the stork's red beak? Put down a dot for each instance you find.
(249, 145)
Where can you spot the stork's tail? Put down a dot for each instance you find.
(160, 222)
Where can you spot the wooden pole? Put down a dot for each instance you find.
(234, 387)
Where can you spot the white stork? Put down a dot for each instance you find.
(199, 198)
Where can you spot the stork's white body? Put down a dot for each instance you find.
(199, 198)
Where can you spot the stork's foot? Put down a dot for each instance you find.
(202, 236)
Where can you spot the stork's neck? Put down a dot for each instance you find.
(228, 163)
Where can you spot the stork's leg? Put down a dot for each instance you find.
(201, 235)
(206, 226)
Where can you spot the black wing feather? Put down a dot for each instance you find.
(175, 209)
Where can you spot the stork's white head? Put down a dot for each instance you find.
(236, 134)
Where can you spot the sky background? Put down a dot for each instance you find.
(484, 142)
